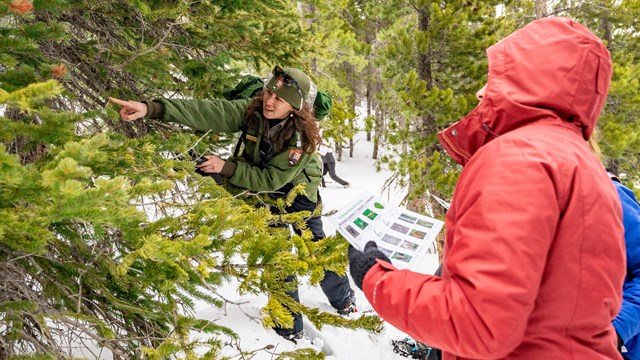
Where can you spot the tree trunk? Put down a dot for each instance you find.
(368, 97)
(606, 31)
(426, 124)
(377, 129)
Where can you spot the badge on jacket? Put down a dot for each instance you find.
(294, 156)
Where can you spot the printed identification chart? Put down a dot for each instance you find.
(406, 237)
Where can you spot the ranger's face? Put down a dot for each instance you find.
(274, 107)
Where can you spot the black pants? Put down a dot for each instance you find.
(330, 167)
(334, 286)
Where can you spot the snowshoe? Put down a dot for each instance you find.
(408, 347)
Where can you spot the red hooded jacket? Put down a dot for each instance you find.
(534, 258)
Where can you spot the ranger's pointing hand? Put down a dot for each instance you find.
(131, 110)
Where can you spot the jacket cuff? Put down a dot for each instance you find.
(155, 110)
(228, 169)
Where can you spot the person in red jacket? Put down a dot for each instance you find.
(534, 257)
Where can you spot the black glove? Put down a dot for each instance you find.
(360, 262)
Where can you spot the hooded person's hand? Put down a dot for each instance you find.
(361, 261)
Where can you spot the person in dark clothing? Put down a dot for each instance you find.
(329, 166)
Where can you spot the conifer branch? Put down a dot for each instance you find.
(195, 144)
(158, 45)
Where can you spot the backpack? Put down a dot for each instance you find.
(247, 88)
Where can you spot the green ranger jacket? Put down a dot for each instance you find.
(246, 171)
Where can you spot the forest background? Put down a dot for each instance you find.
(106, 234)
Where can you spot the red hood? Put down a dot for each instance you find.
(551, 70)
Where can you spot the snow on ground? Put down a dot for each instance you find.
(337, 343)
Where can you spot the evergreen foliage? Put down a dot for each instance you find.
(108, 238)
(430, 58)
(107, 241)
(339, 54)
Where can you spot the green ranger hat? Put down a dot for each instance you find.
(292, 86)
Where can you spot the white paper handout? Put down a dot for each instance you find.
(406, 237)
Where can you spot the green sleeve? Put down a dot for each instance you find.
(219, 115)
(274, 176)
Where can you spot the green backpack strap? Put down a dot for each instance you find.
(246, 88)
(241, 139)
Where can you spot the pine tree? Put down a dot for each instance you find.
(107, 236)
(432, 57)
(339, 56)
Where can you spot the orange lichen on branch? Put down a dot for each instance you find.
(20, 7)
(58, 71)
